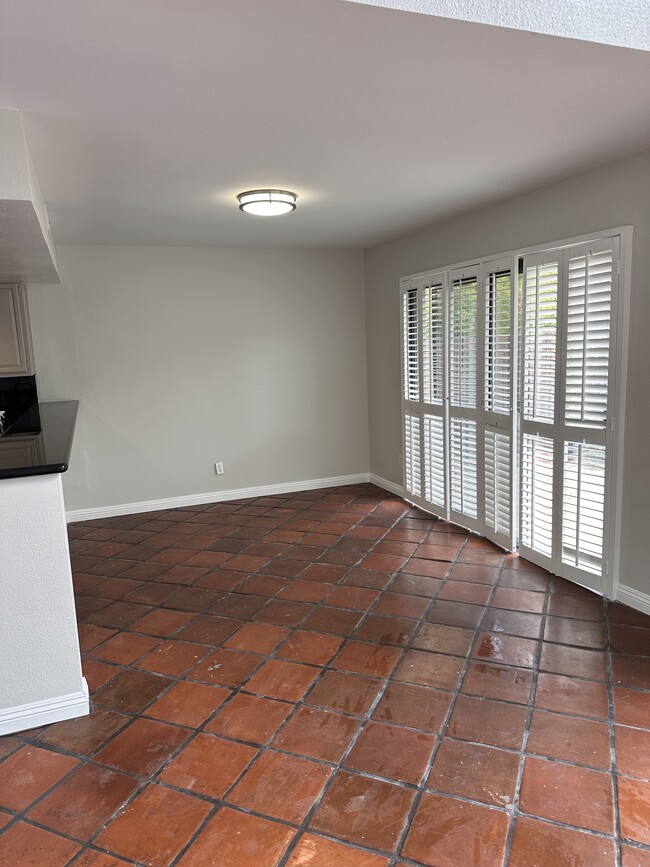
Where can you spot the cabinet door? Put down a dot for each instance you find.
(20, 452)
(15, 337)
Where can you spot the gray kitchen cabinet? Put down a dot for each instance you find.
(16, 355)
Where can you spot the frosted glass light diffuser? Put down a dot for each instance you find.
(267, 203)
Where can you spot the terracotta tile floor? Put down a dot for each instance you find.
(334, 678)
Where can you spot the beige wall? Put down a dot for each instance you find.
(615, 195)
(186, 356)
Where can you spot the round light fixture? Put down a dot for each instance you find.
(267, 203)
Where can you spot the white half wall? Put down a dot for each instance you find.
(615, 195)
(40, 670)
(182, 357)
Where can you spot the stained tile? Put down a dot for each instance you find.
(524, 579)
(518, 600)
(84, 801)
(85, 734)
(570, 695)
(471, 771)
(487, 722)
(188, 704)
(385, 630)
(235, 839)
(365, 811)
(249, 718)
(537, 844)
(401, 605)
(33, 847)
(507, 649)
(414, 706)
(391, 751)
(429, 669)
(348, 693)
(573, 661)
(365, 658)
(29, 772)
(313, 850)
(443, 639)
(143, 747)
(301, 783)
(450, 832)
(563, 793)
(519, 623)
(310, 647)
(131, 691)
(155, 827)
(456, 614)
(317, 734)
(498, 681)
(225, 668)
(581, 633)
(583, 742)
(208, 765)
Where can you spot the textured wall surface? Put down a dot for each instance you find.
(626, 24)
(39, 649)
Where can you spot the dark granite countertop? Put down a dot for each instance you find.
(41, 448)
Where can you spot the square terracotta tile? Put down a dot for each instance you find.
(33, 847)
(581, 633)
(476, 573)
(207, 629)
(143, 747)
(563, 793)
(283, 613)
(631, 707)
(317, 734)
(427, 568)
(634, 808)
(262, 585)
(188, 704)
(225, 668)
(84, 801)
(443, 639)
(401, 605)
(573, 661)
(313, 850)
(507, 649)
(348, 693)
(582, 607)
(28, 773)
(173, 658)
(280, 679)
(415, 585)
(500, 682)
(631, 856)
(633, 752)
(306, 591)
(257, 637)
(161, 622)
(155, 827)
(391, 751)
(570, 695)
(97, 673)
(417, 707)
(208, 765)
(484, 721)
(249, 718)
(551, 846)
(310, 647)
(519, 623)
(365, 658)
(323, 572)
(429, 669)
(367, 578)
(335, 621)
(631, 671)
(238, 605)
(456, 614)
(471, 771)
(462, 591)
(90, 636)
(383, 562)
(130, 691)
(302, 782)
(238, 839)
(359, 598)
(385, 630)
(518, 600)
(582, 742)
(365, 811)
(446, 831)
(85, 734)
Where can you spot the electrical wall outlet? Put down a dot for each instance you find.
(218, 468)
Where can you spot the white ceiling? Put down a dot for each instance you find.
(146, 117)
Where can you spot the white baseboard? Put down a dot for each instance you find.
(40, 713)
(634, 598)
(398, 490)
(218, 496)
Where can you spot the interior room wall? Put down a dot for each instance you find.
(614, 195)
(182, 357)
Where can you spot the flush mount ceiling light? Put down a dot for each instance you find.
(267, 203)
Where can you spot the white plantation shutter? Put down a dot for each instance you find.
(498, 341)
(434, 460)
(583, 506)
(433, 342)
(463, 468)
(498, 484)
(411, 348)
(537, 500)
(412, 454)
(540, 338)
(463, 321)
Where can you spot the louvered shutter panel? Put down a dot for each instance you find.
(583, 506)
(412, 454)
(539, 340)
(463, 467)
(537, 494)
(432, 342)
(463, 318)
(410, 344)
(498, 341)
(498, 485)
